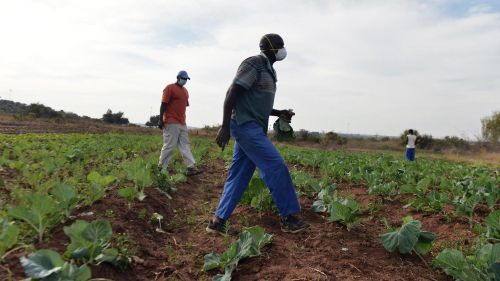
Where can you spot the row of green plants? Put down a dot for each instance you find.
(432, 184)
(51, 176)
(64, 172)
(90, 245)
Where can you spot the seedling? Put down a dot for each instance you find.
(38, 212)
(157, 217)
(249, 244)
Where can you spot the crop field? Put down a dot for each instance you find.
(95, 206)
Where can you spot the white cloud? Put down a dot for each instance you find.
(353, 66)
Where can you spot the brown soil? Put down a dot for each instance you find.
(326, 252)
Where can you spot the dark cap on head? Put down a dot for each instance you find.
(183, 74)
(271, 41)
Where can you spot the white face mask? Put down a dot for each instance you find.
(181, 81)
(281, 54)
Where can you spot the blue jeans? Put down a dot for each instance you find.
(254, 149)
(410, 154)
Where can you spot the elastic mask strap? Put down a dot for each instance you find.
(271, 44)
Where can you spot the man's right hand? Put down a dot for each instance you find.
(160, 124)
(223, 136)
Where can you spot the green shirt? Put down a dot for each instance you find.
(258, 78)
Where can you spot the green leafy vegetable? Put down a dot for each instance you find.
(98, 185)
(408, 237)
(47, 265)
(90, 241)
(257, 195)
(38, 212)
(345, 211)
(9, 233)
(482, 266)
(128, 193)
(67, 196)
(249, 244)
(139, 172)
(162, 181)
(493, 224)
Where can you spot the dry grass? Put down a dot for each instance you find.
(393, 147)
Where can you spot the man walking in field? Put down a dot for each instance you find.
(173, 123)
(247, 107)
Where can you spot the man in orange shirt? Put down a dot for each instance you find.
(173, 123)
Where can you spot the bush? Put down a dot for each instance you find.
(314, 137)
(114, 118)
(491, 127)
(334, 138)
(41, 111)
(424, 142)
(454, 142)
(153, 121)
(302, 135)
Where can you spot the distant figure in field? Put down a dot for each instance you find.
(247, 107)
(173, 123)
(410, 145)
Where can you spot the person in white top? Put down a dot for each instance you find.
(410, 146)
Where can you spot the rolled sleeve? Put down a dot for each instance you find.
(245, 76)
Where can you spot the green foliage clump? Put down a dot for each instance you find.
(343, 210)
(90, 242)
(333, 138)
(408, 238)
(304, 135)
(39, 211)
(47, 265)
(248, 245)
(484, 265)
(153, 121)
(257, 195)
(114, 118)
(491, 127)
(493, 225)
(38, 110)
(9, 233)
(98, 186)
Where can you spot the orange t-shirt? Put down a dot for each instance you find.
(176, 98)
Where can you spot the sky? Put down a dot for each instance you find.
(367, 67)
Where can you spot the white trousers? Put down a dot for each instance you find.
(175, 135)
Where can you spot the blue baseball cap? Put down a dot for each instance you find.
(183, 74)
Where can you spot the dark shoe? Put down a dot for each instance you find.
(191, 171)
(292, 224)
(220, 226)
